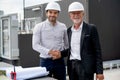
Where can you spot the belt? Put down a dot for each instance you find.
(75, 60)
(51, 59)
(45, 58)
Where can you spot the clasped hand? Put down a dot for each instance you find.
(55, 54)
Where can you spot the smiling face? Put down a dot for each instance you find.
(76, 16)
(52, 15)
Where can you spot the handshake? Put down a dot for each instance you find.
(55, 54)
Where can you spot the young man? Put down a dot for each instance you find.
(50, 37)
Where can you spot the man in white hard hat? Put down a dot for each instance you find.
(84, 53)
(50, 37)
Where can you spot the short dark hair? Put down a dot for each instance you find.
(47, 11)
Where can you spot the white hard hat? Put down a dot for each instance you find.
(75, 6)
(53, 6)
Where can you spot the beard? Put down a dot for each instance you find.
(52, 19)
(76, 21)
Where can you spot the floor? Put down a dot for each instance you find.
(113, 74)
(109, 74)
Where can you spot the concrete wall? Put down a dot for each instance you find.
(28, 57)
(106, 15)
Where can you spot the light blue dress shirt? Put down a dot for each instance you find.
(47, 37)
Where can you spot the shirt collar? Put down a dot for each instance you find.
(47, 21)
(80, 27)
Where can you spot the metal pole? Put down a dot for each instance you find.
(23, 14)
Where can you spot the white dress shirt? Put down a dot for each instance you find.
(47, 37)
(75, 43)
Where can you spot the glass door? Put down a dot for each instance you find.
(5, 37)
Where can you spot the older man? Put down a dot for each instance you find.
(84, 53)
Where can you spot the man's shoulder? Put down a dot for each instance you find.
(89, 25)
(61, 23)
(43, 22)
(40, 25)
(69, 29)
